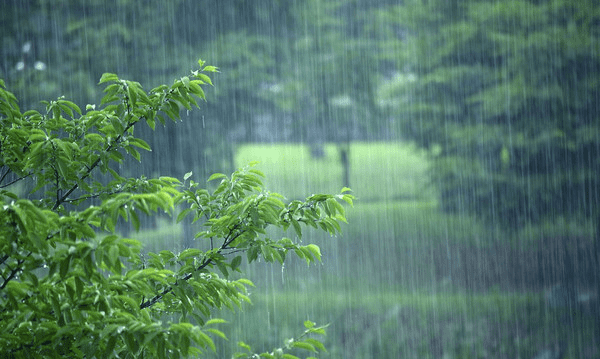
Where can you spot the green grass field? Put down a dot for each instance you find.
(392, 324)
(379, 171)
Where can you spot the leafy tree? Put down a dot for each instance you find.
(65, 37)
(328, 88)
(72, 287)
(305, 68)
(506, 96)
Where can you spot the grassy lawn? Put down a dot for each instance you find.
(379, 171)
(390, 324)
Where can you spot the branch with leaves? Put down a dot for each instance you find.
(73, 287)
(238, 213)
(305, 342)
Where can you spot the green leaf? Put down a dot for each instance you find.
(78, 286)
(244, 346)
(210, 69)
(297, 228)
(166, 255)
(138, 142)
(183, 214)
(205, 340)
(134, 153)
(205, 78)
(186, 81)
(305, 346)
(223, 268)
(302, 255)
(108, 77)
(235, 262)
(134, 219)
(151, 123)
(246, 282)
(348, 199)
(217, 333)
(65, 264)
(169, 179)
(315, 343)
(333, 203)
(110, 345)
(215, 176)
(314, 250)
(190, 252)
(215, 321)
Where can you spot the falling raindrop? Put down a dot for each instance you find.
(26, 47)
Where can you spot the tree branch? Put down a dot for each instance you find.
(91, 196)
(205, 263)
(94, 165)
(108, 149)
(13, 272)
(13, 181)
(5, 174)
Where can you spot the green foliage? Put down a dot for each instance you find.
(505, 92)
(71, 287)
(303, 342)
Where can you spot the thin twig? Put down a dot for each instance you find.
(13, 272)
(15, 181)
(205, 263)
(108, 149)
(92, 196)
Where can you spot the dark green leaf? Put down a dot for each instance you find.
(235, 262)
(297, 228)
(64, 267)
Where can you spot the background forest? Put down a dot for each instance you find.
(468, 130)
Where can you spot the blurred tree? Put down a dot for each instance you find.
(329, 89)
(302, 69)
(296, 71)
(506, 96)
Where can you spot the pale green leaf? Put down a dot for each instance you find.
(215, 176)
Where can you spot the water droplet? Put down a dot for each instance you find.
(26, 47)
(40, 66)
